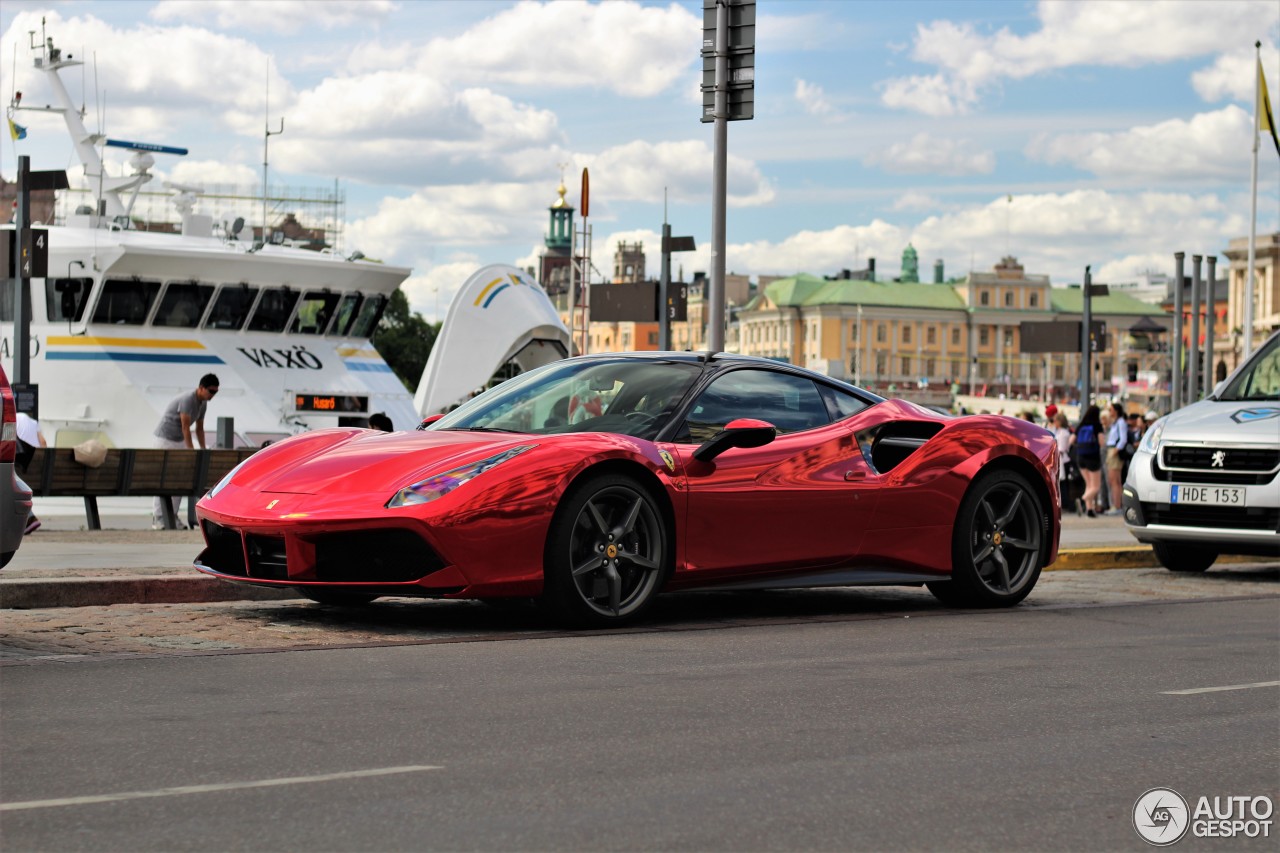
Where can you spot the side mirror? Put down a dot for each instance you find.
(1218, 389)
(744, 432)
(429, 420)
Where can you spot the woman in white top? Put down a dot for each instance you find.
(1117, 439)
(1062, 434)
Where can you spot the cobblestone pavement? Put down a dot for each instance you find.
(81, 633)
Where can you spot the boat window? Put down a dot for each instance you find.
(65, 298)
(314, 312)
(273, 310)
(125, 302)
(368, 317)
(231, 306)
(183, 304)
(346, 313)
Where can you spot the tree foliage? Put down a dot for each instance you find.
(404, 339)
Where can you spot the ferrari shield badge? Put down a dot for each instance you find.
(272, 505)
(668, 460)
(1245, 416)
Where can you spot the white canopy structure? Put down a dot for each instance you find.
(500, 316)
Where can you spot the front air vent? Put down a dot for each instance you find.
(374, 556)
(266, 557)
(225, 553)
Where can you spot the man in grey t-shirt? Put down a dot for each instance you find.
(181, 425)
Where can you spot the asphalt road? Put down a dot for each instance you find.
(1035, 728)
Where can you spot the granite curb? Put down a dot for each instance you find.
(26, 593)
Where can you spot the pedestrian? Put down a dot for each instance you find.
(182, 426)
(1117, 441)
(1050, 417)
(1062, 435)
(30, 437)
(380, 421)
(1089, 438)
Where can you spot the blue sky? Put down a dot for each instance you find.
(1120, 130)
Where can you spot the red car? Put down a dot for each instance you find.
(595, 483)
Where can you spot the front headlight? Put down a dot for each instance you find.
(227, 479)
(1151, 440)
(439, 485)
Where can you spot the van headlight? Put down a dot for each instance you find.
(1151, 440)
(439, 485)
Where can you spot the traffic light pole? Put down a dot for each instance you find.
(719, 183)
(1086, 346)
(22, 244)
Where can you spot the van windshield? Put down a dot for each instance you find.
(1260, 378)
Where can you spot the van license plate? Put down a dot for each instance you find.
(1211, 495)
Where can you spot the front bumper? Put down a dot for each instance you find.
(1152, 516)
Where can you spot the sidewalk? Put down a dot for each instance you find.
(64, 565)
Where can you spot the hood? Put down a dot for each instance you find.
(1233, 421)
(361, 461)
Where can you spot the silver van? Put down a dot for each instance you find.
(1206, 479)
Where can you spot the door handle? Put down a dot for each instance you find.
(855, 475)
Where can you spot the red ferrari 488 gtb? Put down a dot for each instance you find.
(597, 482)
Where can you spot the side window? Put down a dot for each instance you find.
(368, 316)
(183, 304)
(65, 298)
(842, 402)
(346, 313)
(273, 310)
(790, 403)
(231, 307)
(125, 302)
(314, 312)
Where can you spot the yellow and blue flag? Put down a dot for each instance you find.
(16, 130)
(1266, 118)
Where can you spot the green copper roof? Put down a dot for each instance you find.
(805, 289)
(1070, 300)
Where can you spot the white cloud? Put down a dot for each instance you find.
(813, 99)
(1232, 75)
(1210, 146)
(640, 171)
(214, 172)
(430, 290)
(917, 202)
(281, 16)
(928, 154)
(1071, 34)
(147, 74)
(634, 50)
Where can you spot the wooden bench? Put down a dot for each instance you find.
(129, 472)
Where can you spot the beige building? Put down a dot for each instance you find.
(1266, 294)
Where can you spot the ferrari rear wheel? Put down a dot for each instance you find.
(334, 598)
(606, 553)
(996, 549)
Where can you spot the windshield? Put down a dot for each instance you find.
(1260, 378)
(625, 396)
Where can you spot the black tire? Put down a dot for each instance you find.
(607, 555)
(1183, 556)
(334, 598)
(997, 549)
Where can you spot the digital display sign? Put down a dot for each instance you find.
(336, 403)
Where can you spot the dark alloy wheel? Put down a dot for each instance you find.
(606, 553)
(997, 547)
(334, 598)
(1183, 556)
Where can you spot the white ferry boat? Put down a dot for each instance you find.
(128, 319)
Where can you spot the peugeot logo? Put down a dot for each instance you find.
(1219, 459)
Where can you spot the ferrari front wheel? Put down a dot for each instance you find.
(606, 553)
(997, 546)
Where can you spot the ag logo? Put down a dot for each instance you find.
(1244, 416)
(1161, 816)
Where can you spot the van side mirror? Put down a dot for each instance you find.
(743, 432)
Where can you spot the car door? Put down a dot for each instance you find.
(800, 503)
